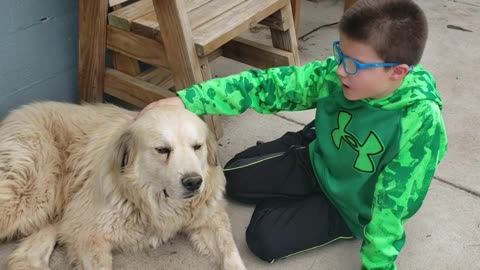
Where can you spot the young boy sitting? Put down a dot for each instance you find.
(365, 166)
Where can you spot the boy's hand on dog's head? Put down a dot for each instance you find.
(171, 101)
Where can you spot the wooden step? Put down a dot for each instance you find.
(213, 22)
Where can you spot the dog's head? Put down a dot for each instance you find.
(168, 151)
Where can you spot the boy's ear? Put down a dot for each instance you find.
(399, 72)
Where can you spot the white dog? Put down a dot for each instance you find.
(94, 180)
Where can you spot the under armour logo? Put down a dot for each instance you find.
(371, 146)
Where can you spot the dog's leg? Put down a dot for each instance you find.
(215, 239)
(34, 251)
(90, 253)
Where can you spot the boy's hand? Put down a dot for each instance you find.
(172, 101)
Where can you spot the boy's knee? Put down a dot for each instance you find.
(263, 235)
(261, 242)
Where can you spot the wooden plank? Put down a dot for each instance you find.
(211, 10)
(147, 25)
(230, 24)
(133, 90)
(138, 47)
(123, 17)
(256, 54)
(178, 42)
(92, 40)
(287, 40)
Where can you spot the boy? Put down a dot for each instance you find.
(366, 166)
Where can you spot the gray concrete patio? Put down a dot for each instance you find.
(445, 234)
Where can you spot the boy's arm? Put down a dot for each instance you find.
(287, 88)
(403, 185)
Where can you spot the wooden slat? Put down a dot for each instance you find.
(256, 54)
(178, 42)
(92, 36)
(211, 10)
(147, 25)
(221, 29)
(122, 18)
(127, 43)
(132, 90)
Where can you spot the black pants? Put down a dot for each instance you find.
(292, 213)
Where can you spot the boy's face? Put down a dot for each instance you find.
(371, 82)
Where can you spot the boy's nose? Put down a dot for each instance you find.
(341, 71)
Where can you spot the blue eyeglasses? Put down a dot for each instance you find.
(352, 65)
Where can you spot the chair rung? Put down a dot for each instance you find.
(152, 52)
(133, 90)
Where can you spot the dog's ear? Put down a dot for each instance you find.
(124, 151)
(212, 157)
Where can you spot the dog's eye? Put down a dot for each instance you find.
(163, 150)
(197, 147)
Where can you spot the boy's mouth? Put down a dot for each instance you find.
(345, 86)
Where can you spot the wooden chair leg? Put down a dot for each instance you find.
(213, 121)
(182, 56)
(296, 13)
(287, 40)
(92, 47)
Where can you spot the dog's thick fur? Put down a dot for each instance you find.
(94, 180)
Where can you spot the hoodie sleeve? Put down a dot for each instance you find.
(403, 185)
(289, 88)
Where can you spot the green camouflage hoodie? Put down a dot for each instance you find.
(374, 158)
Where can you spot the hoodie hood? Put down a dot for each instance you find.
(418, 85)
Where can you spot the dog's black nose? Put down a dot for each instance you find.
(192, 182)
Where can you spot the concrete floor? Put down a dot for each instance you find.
(445, 233)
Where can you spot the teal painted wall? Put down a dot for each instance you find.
(38, 51)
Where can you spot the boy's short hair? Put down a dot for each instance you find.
(396, 29)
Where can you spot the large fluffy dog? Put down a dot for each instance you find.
(93, 179)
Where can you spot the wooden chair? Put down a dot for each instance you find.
(179, 39)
